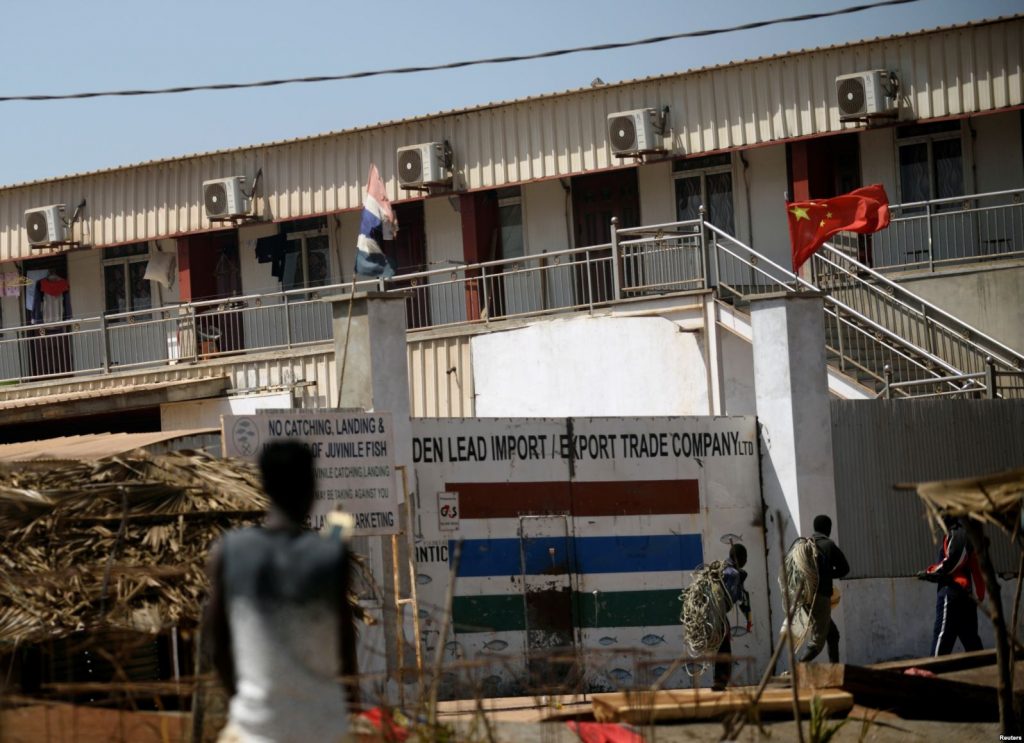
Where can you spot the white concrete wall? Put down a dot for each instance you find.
(206, 413)
(590, 366)
(256, 277)
(767, 174)
(893, 618)
(657, 193)
(738, 372)
(546, 225)
(878, 160)
(990, 299)
(998, 160)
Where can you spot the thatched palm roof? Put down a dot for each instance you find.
(115, 543)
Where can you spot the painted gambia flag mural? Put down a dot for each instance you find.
(574, 541)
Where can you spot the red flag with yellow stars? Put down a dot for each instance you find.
(811, 223)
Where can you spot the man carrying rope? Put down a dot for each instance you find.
(832, 564)
(733, 576)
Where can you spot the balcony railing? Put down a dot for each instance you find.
(639, 262)
(943, 232)
(870, 322)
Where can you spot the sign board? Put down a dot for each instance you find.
(581, 532)
(448, 511)
(353, 455)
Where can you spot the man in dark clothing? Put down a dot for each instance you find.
(831, 565)
(278, 617)
(956, 572)
(733, 577)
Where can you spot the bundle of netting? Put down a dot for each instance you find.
(705, 613)
(802, 574)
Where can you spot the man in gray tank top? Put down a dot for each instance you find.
(277, 619)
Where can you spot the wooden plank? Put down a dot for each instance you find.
(68, 722)
(942, 663)
(644, 707)
(920, 697)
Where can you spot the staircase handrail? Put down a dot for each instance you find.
(795, 279)
(998, 351)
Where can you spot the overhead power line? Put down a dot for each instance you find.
(464, 63)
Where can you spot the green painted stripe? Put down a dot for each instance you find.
(488, 613)
(612, 609)
(629, 608)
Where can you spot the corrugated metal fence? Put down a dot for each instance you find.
(879, 443)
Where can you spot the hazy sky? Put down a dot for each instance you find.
(61, 47)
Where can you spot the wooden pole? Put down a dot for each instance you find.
(1004, 688)
(396, 588)
(442, 636)
(736, 723)
(1016, 614)
(413, 597)
(788, 607)
(348, 331)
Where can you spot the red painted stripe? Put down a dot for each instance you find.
(624, 498)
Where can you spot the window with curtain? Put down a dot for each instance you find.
(707, 181)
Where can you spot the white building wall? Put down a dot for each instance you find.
(547, 219)
(998, 160)
(878, 160)
(657, 197)
(590, 366)
(767, 172)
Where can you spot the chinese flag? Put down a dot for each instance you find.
(811, 223)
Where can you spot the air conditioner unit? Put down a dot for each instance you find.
(862, 95)
(225, 198)
(422, 165)
(632, 132)
(45, 225)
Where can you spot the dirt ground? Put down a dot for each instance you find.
(520, 720)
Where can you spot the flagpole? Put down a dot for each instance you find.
(348, 328)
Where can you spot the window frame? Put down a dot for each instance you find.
(929, 138)
(681, 170)
(302, 236)
(124, 258)
(506, 197)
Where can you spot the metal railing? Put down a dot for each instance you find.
(638, 262)
(871, 323)
(939, 232)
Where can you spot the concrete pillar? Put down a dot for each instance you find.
(377, 367)
(791, 391)
(377, 378)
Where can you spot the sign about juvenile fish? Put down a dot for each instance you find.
(353, 454)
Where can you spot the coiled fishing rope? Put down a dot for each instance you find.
(802, 574)
(705, 614)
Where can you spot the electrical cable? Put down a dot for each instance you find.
(465, 63)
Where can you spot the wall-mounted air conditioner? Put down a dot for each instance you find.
(862, 95)
(225, 198)
(45, 225)
(421, 165)
(635, 132)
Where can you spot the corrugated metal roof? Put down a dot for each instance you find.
(94, 446)
(514, 101)
(102, 392)
(956, 71)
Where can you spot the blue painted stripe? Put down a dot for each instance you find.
(619, 554)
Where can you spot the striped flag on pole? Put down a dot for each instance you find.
(370, 257)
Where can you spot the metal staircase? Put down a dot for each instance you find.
(878, 333)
